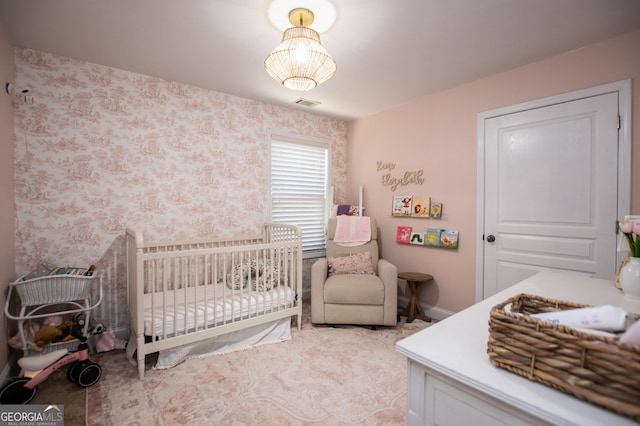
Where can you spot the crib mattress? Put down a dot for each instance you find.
(188, 317)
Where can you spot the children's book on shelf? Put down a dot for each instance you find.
(432, 237)
(420, 206)
(401, 205)
(403, 234)
(445, 238)
(449, 239)
(417, 238)
(436, 210)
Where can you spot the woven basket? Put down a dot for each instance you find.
(54, 289)
(598, 369)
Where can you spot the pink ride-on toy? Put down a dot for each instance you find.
(81, 371)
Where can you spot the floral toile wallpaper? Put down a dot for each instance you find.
(101, 149)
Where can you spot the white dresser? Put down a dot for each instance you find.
(450, 380)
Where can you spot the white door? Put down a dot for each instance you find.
(551, 200)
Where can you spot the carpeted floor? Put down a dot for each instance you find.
(323, 375)
(58, 390)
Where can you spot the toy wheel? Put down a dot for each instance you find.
(74, 371)
(90, 373)
(16, 393)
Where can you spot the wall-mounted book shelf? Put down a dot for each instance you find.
(415, 206)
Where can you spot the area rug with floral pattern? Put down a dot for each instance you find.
(323, 375)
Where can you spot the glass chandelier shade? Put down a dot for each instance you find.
(300, 62)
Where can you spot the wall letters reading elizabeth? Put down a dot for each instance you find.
(408, 178)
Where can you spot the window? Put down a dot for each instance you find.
(299, 182)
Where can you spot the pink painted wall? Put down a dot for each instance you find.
(7, 224)
(438, 134)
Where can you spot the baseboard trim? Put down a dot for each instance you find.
(431, 311)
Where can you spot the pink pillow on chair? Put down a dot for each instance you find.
(359, 263)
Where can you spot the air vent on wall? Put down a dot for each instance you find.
(306, 102)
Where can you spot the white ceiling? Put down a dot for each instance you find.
(388, 51)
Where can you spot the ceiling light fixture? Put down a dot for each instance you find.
(300, 62)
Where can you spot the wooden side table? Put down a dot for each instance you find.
(415, 281)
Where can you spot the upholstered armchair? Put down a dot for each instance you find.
(369, 296)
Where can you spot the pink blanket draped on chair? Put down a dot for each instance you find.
(352, 230)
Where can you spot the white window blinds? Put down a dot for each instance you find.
(299, 181)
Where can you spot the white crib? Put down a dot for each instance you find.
(182, 292)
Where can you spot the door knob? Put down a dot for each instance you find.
(491, 238)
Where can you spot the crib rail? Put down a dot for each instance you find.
(210, 286)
